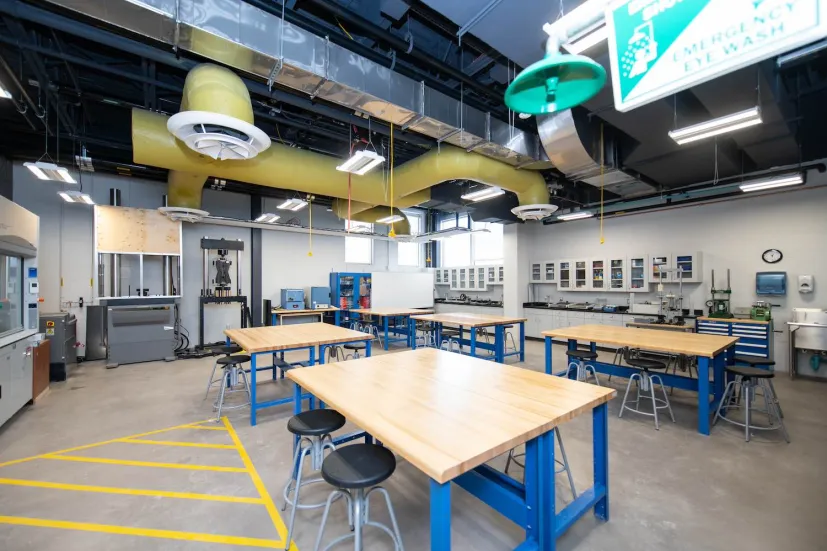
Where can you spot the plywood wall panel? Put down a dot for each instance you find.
(129, 230)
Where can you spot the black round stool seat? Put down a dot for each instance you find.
(752, 360)
(231, 349)
(645, 364)
(230, 360)
(750, 372)
(508, 327)
(358, 466)
(582, 354)
(355, 346)
(450, 332)
(316, 422)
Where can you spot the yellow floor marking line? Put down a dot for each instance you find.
(128, 491)
(172, 443)
(130, 463)
(96, 444)
(278, 523)
(202, 427)
(144, 532)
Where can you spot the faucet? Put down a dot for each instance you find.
(548, 300)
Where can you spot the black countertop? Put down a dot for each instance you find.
(620, 310)
(469, 303)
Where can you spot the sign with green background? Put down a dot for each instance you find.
(659, 47)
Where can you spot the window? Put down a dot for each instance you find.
(410, 254)
(359, 250)
(11, 294)
(456, 250)
(488, 247)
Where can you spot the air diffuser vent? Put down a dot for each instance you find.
(183, 214)
(533, 212)
(218, 136)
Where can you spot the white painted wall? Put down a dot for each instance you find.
(730, 234)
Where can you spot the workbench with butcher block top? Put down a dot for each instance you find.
(276, 340)
(449, 414)
(401, 318)
(473, 322)
(714, 353)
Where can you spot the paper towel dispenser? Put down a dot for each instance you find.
(805, 284)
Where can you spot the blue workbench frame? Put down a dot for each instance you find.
(702, 385)
(498, 353)
(530, 505)
(298, 396)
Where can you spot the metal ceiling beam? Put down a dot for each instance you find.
(18, 9)
(13, 79)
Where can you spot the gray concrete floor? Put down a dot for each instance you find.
(670, 489)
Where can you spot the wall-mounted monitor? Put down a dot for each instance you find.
(771, 283)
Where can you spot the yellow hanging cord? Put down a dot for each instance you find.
(310, 235)
(391, 233)
(602, 167)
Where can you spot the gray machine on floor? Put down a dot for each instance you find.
(61, 330)
(140, 332)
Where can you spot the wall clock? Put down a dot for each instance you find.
(771, 256)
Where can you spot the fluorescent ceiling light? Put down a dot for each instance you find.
(4, 94)
(361, 162)
(721, 125)
(50, 171)
(575, 215)
(483, 194)
(769, 183)
(588, 40)
(293, 204)
(390, 219)
(267, 218)
(803, 52)
(76, 197)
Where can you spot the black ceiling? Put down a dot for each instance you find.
(80, 81)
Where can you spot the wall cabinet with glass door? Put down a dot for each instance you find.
(463, 279)
(454, 279)
(492, 275)
(501, 275)
(481, 279)
(691, 266)
(472, 279)
(549, 271)
(564, 275)
(597, 275)
(581, 275)
(638, 273)
(536, 272)
(618, 275)
(659, 263)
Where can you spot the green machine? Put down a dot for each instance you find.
(719, 306)
(761, 311)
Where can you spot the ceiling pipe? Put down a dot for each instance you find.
(41, 114)
(405, 49)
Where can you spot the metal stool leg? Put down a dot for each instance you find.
(626, 396)
(773, 403)
(775, 398)
(729, 392)
(212, 379)
(396, 536)
(330, 499)
(646, 381)
(665, 397)
(594, 374)
(746, 391)
(566, 466)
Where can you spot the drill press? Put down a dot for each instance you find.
(719, 306)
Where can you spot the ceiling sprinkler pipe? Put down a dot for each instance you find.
(576, 21)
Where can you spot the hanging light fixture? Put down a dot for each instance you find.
(74, 196)
(774, 182)
(714, 127)
(50, 171)
(4, 94)
(483, 194)
(361, 162)
(579, 215)
(293, 204)
(267, 218)
(390, 219)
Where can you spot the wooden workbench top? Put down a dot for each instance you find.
(690, 344)
(468, 320)
(444, 412)
(385, 312)
(662, 326)
(283, 337)
(283, 311)
(732, 320)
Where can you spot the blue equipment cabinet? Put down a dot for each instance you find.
(292, 299)
(755, 337)
(349, 290)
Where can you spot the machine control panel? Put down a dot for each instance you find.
(31, 297)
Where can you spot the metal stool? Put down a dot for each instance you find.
(762, 363)
(580, 357)
(355, 347)
(564, 464)
(230, 373)
(451, 345)
(226, 350)
(352, 469)
(335, 354)
(313, 428)
(750, 379)
(647, 384)
(509, 335)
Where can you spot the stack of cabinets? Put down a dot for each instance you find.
(690, 263)
(544, 271)
(15, 378)
(754, 338)
(545, 320)
(470, 278)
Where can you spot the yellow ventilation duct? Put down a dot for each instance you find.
(372, 215)
(212, 89)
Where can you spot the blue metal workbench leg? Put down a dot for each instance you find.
(522, 341)
(322, 353)
(600, 436)
(473, 342)
(368, 347)
(718, 370)
(311, 402)
(593, 346)
(548, 355)
(385, 325)
(440, 516)
(297, 408)
(499, 343)
(572, 346)
(703, 395)
(438, 330)
(253, 389)
(337, 318)
(412, 333)
(540, 492)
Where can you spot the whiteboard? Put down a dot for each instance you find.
(402, 290)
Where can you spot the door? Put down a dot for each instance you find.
(549, 272)
(597, 275)
(638, 275)
(564, 275)
(536, 272)
(617, 274)
(581, 268)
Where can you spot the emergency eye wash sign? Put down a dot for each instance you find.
(659, 47)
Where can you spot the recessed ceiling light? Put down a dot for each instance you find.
(769, 183)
